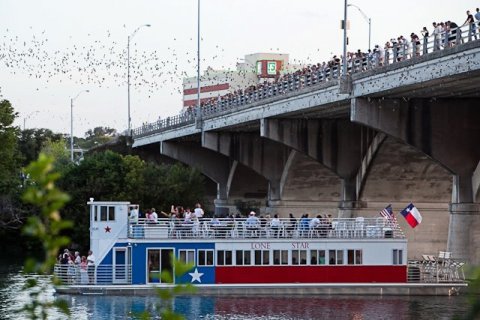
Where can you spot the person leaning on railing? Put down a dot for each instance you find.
(472, 30)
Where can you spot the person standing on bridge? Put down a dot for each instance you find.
(477, 16)
(472, 30)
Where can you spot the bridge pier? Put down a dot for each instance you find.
(448, 131)
(335, 143)
(214, 165)
(265, 157)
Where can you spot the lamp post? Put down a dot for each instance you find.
(369, 21)
(128, 74)
(198, 114)
(71, 122)
(28, 117)
(344, 62)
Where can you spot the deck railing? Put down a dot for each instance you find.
(241, 228)
(314, 75)
(441, 268)
(71, 274)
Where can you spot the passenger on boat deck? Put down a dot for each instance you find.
(177, 211)
(91, 267)
(153, 216)
(198, 211)
(275, 225)
(83, 263)
(65, 256)
(315, 222)
(148, 213)
(188, 215)
(134, 214)
(304, 224)
(252, 221)
(77, 258)
(293, 224)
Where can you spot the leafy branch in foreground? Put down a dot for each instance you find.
(47, 228)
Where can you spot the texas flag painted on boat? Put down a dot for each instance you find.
(412, 215)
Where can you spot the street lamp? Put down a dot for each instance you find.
(71, 122)
(344, 62)
(198, 114)
(128, 73)
(28, 117)
(369, 20)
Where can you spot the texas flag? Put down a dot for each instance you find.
(412, 215)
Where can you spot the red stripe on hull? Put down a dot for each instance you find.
(311, 274)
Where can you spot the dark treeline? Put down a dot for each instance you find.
(104, 175)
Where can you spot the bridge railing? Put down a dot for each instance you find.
(314, 75)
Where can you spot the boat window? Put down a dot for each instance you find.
(103, 213)
(280, 257)
(243, 257)
(299, 256)
(111, 213)
(224, 258)
(335, 257)
(186, 256)
(205, 258)
(107, 213)
(317, 257)
(397, 256)
(262, 257)
(95, 213)
(354, 256)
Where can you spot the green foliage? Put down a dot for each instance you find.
(32, 141)
(474, 287)
(9, 156)
(95, 137)
(60, 154)
(48, 228)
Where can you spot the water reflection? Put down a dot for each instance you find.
(279, 308)
(12, 297)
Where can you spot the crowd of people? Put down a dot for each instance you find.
(76, 268)
(444, 34)
(187, 223)
(176, 213)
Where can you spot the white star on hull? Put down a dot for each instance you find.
(196, 276)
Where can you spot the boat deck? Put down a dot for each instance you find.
(240, 228)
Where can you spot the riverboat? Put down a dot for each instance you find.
(251, 256)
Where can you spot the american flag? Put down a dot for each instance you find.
(387, 213)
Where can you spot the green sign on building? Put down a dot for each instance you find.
(272, 67)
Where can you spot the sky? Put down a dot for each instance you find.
(52, 50)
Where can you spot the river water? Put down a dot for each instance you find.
(13, 297)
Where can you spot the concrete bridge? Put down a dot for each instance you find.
(407, 131)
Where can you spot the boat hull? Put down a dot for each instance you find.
(380, 289)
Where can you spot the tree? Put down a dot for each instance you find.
(10, 182)
(31, 141)
(60, 154)
(9, 156)
(95, 137)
